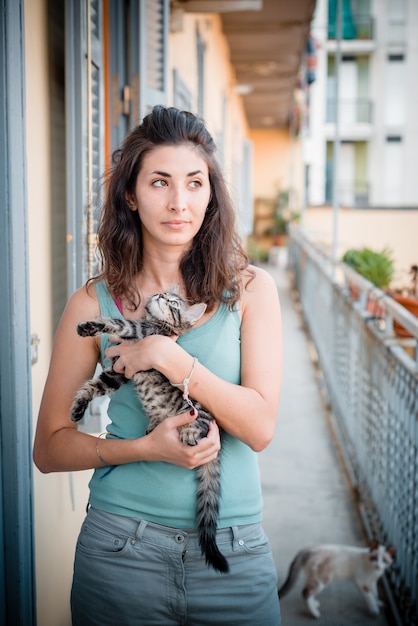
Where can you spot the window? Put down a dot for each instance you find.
(394, 97)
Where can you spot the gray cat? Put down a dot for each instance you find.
(166, 314)
(322, 564)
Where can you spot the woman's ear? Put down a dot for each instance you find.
(131, 202)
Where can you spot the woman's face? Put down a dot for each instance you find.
(171, 195)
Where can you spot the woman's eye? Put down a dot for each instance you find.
(195, 184)
(160, 183)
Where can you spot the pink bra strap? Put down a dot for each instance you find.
(118, 303)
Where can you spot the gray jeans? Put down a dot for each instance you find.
(130, 572)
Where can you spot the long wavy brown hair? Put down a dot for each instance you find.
(212, 267)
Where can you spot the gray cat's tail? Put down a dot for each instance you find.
(208, 496)
(294, 570)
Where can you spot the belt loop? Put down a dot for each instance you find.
(235, 538)
(141, 528)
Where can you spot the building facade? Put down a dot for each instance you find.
(364, 101)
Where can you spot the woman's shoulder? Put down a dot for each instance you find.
(255, 279)
(84, 302)
(259, 288)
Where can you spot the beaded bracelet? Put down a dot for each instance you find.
(185, 383)
(98, 451)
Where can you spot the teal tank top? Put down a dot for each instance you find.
(161, 492)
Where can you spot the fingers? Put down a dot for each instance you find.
(183, 418)
(206, 450)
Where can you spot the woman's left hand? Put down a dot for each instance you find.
(140, 355)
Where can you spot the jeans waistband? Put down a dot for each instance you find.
(132, 527)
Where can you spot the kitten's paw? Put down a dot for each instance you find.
(313, 607)
(373, 602)
(374, 609)
(77, 411)
(190, 434)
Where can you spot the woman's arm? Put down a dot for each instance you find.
(59, 446)
(247, 411)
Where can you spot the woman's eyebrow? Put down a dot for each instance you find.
(159, 173)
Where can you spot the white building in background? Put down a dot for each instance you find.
(376, 122)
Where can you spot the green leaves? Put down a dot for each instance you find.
(377, 267)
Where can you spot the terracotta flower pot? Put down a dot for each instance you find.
(373, 306)
(411, 304)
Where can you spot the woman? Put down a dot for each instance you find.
(168, 221)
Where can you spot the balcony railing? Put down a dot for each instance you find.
(353, 27)
(350, 194)
(371, 380)
(358, 111)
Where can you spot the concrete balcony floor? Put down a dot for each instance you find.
(307, 495)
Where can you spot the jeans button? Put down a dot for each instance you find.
(179, 538)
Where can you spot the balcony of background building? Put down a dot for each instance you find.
(354, 193)
(356, 111)
(353, 25)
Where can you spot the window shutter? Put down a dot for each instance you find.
(84, 126)
(182, 96)
(153, 54)
(122, 102)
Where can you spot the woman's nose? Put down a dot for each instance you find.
(177, 200)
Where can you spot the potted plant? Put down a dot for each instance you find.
(409, 299)
(379, 269)
(282, 217)
(376, 266)
(256, 253)
(278, 230)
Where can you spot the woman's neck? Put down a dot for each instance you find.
(153, 282)
(159, 274)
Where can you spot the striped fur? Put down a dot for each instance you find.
(166, 314)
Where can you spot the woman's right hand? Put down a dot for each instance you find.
(164, 443)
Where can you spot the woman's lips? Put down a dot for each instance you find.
(176, 224)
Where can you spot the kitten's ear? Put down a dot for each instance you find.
(195, 312)
(174, 290)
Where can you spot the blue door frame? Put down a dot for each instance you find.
(17, 580)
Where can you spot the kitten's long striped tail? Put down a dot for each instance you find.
(294, 571)
(208, 496)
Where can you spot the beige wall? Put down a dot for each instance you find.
(277, 164)
(219, 83)
(56, 523)
(396, 230)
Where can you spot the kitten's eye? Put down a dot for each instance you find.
(175, 304)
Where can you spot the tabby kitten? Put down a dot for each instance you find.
(322, 564)
(166, 314)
